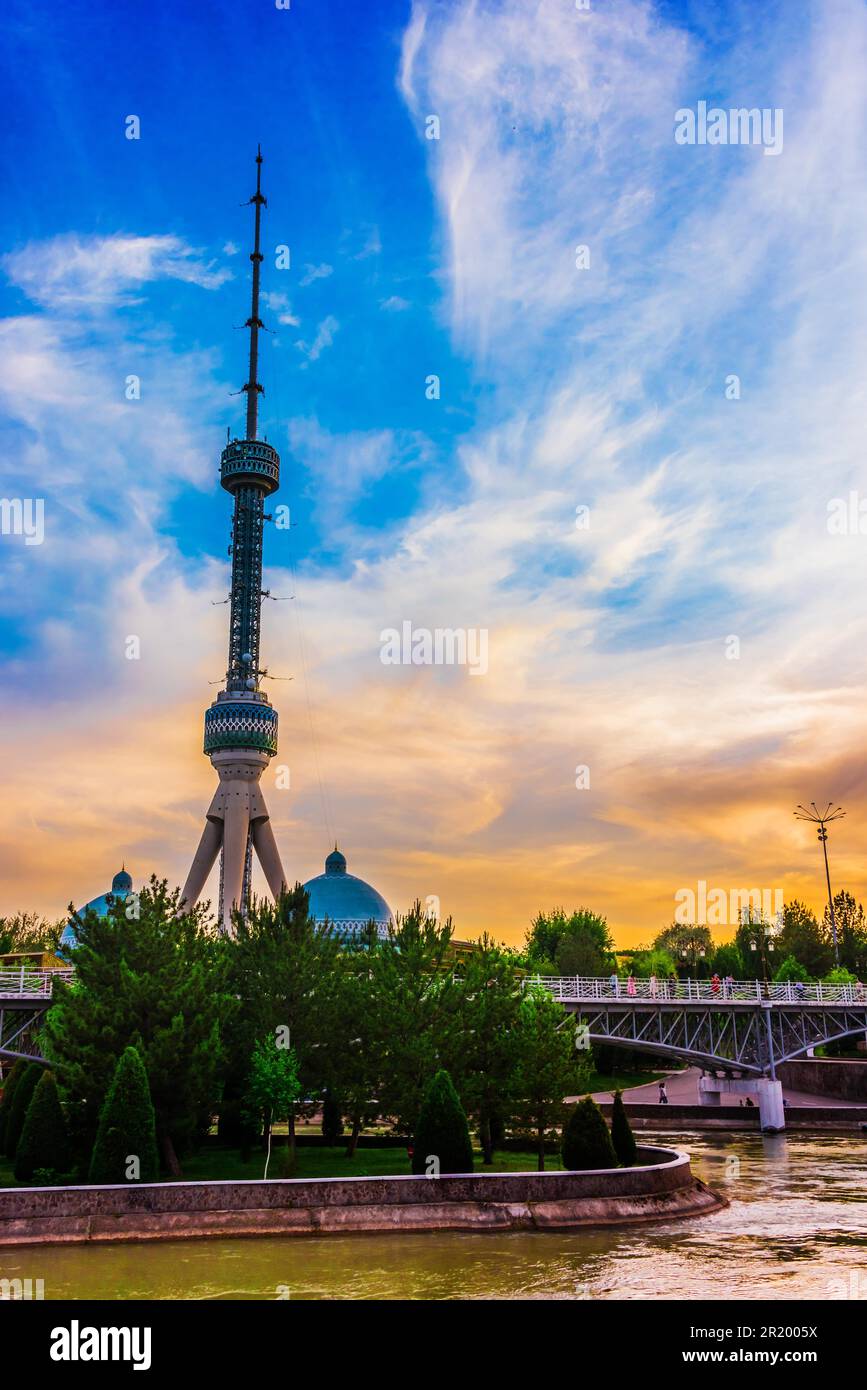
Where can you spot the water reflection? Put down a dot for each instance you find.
(796, 1227)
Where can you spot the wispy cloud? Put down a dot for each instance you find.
(315, 272)
(324, 338)
(74, 273)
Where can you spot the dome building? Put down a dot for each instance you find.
(121, 887)
(347, 902)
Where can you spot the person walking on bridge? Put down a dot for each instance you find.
(614, 983)
(630, 986)
(663, 1094)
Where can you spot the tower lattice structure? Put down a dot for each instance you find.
(241, 724)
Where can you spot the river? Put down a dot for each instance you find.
(796, 1227)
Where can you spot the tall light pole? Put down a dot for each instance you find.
(823, 819)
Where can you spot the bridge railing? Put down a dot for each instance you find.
(685, 991)
(30, 984)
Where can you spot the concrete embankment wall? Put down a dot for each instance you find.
(661, 1186)
(683, 1117)
(838, 1077)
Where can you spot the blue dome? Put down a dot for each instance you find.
(121, 887)
(348, 902)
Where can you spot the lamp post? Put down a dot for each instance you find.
(821, 819)
(763, 943)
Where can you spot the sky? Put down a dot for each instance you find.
(640, 472)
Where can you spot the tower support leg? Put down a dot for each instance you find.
(269, 857)
(235, 830)
(203, 863)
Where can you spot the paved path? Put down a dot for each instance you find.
(682, 1088)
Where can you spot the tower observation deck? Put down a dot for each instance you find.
(241, 724)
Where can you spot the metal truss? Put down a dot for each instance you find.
(19, 1029)
(751, 1038)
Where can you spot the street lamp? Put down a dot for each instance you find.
(821, 819)
(763, 942)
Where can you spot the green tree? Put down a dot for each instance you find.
(150, 978)
(579, 943)
(547, 1065)
(355, 1066)
(416, 996)
(791, 969)
(18, 1109)
(273, 1087)
(283, 970)
(9, 1087)
(802, 937)
(690, 946)
(851, 932)
(442, 1132)
(27, 931)
(482, 1056)
(332, 1119)
(727, 961)
(621, 1133)
(127, 1126)
(586, 1141)
(44, 1141)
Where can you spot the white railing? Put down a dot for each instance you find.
(30, 984)
(583, 987)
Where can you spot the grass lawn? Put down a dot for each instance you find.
(214, 1165)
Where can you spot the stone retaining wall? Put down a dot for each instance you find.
(681, 1117)
(661, 1186)
(827, 1076)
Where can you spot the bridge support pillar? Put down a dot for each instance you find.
(772, 1114)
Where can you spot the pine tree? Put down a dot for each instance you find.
(149, 978)
(442, 1131)
(621, 1133)
(549, 1065)
(586, 1141)
(20, 1102)
(332, 1120)
(9, 1088)
(127, 1126)
(44, 1141)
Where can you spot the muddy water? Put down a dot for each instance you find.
(796, 1227)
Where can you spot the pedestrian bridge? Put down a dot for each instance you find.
(745, 1026)
(737, 1031)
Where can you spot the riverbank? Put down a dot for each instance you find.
(661, 1186)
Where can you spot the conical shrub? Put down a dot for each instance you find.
(44, 1141)
(621, 1133)
(20, 1104)
(442, 1132)
(586, 1141)
(9, 1087)
(126, 1126)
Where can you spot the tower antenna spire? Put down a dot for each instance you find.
(254, 323)
(241, 725)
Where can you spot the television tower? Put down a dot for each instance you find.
(241, 725)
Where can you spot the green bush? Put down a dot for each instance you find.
(44, 1141)
(126, 1126)
(332, 1120)
(20, 1102)
(621, 1133)
(442, 1131)
(790, 969)
(9, 1088)
(586, 1141)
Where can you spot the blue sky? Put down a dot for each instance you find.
(559, 388)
